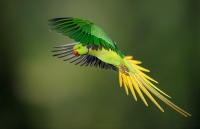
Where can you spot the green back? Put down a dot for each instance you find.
(82, 31)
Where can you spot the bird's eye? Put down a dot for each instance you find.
(78, 47)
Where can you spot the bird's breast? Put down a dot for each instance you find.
(107, 56)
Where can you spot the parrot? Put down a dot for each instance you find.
(93, 47)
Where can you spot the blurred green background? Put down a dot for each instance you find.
(38, 91)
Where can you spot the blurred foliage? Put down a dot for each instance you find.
(42, 92)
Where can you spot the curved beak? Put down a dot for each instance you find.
(76, 53)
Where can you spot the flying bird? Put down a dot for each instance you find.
(93, 47)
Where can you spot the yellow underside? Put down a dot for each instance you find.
(107, 56)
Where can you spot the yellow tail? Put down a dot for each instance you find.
(137, 81)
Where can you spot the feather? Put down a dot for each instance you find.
(83, 60)
(63, 53)
(126, 86)
(89, 59)
(93, 62)
(82, 31)
(141, 83)
(77, 58)
(71, 57)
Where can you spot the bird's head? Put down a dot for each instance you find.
(79, 49)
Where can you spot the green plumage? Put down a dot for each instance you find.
(97, 49)
(83, 31)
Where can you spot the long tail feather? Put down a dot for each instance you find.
(140, 82)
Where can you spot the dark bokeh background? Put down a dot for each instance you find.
(38, 91)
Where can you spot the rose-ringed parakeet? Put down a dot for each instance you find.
(94, 47)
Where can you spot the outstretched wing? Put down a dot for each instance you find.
(82, 31)
(66, 51)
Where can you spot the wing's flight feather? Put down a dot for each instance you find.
(66, 51)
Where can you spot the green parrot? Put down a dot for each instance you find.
(93, 47)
